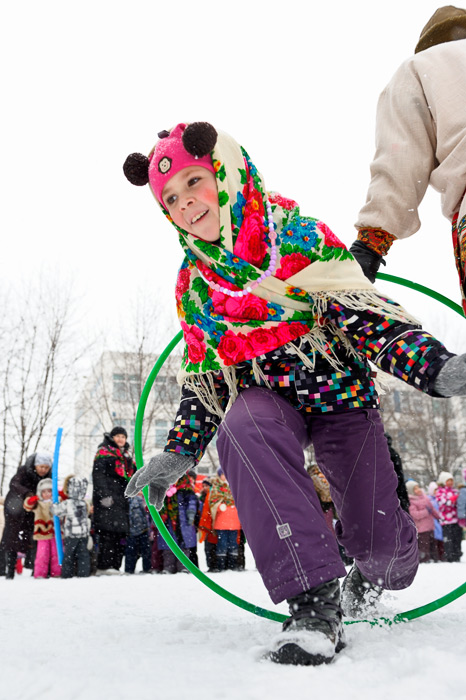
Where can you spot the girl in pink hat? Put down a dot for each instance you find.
(279, 324)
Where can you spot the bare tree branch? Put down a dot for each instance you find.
(38, 367)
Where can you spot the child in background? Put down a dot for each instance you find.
(178, 512)
(46, 561)
(279, 323)
(75, 512)
(206, 532)
(438, 552)
(137, 542)
(322, 488)
(424, 515)
(225, 522)
(461, 504)
(447, 497)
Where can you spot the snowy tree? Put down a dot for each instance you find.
(116, 380)
(428, 433)
(39, 356)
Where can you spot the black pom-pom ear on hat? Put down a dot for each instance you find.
(136, 169)
(199, 138)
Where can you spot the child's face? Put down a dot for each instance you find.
(46, 494)
(191, 198)
(449, 483)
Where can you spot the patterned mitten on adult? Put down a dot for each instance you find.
(451, 380)
(162, 471)
(368, 259)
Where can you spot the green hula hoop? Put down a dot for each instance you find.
(219, 590)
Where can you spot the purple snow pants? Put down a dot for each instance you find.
(260, 445)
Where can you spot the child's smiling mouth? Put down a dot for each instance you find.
(199, 216)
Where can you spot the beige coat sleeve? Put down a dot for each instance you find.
(420, 140)
(404, 157)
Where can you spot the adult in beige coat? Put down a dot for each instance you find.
(420, 140)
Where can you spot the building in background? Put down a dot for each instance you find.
(111, 397)
(429, 434)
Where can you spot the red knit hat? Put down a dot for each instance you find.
(169, 157)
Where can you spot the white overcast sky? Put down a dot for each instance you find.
(85, 84)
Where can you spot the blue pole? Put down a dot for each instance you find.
(56, 519)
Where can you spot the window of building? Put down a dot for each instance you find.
(121, 422)
(126, 387)
(166, 388)
(161, 431)
(119, 387)
(134, 386)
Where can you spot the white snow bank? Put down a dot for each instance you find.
(167, 637)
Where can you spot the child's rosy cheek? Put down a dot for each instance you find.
(211, 197)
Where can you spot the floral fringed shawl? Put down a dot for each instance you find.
(313, 267)
(123, 467)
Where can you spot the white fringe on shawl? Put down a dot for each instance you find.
(363, 300)
(317, 338)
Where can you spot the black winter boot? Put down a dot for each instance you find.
(221, 563)
(10, 561)
(358, 595)
(314, 632)
(233, 563)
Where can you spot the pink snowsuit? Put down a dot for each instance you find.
(46, 555)
(44, 534)
(422, 512)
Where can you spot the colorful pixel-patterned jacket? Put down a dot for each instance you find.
(401, 349)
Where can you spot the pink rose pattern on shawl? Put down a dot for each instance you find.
(220, 330)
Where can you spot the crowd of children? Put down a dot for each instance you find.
(187, 515)
(210, 517)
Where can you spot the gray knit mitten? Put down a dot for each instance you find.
(451, 380)
(162, 471)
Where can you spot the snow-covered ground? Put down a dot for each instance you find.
(167, 637)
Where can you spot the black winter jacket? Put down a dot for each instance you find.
(111, 464)
(19, 524)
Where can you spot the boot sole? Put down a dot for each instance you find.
(293, 655)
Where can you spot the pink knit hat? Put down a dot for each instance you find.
(169, 157)
(184, 145)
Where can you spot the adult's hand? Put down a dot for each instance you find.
(368, 259)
